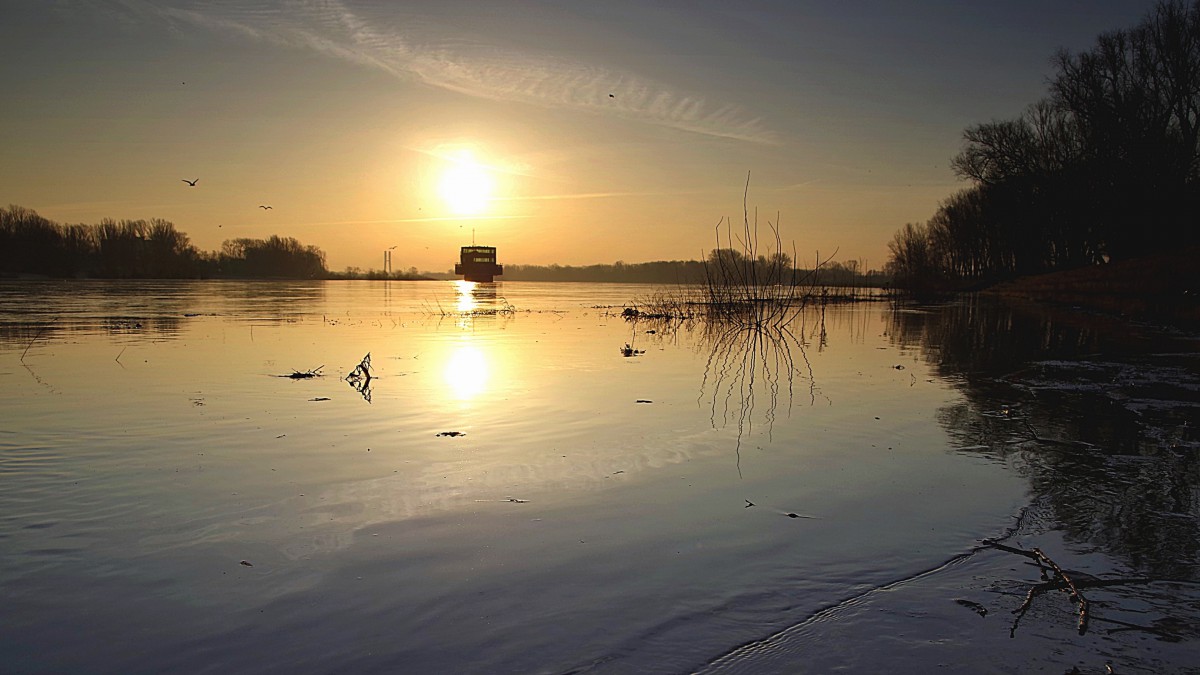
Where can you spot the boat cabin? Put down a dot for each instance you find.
(478, 263)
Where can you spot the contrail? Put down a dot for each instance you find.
(409, 46)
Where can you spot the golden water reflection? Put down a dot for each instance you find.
(467, 372)
(465, 298)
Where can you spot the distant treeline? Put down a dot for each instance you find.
(31, 245)
(142, 249)
(1106, 167)
(849, 273)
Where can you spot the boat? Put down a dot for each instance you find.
(478, 263)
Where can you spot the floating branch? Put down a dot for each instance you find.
(1075, 594)
(360, 378)
(305, 374)
(363, 370)
(35, 337)
(1059, 580)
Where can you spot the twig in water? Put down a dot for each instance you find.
(1061, 580)
(35, 337)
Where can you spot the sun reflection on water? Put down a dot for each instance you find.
(465, 300)
(467, 372)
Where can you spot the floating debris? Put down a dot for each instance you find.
(321, 398)
(360, 378)
(644, 400)
(246, 563)
(305, 374)
(628, 350)
(1054, 577)
(451, 433)
(973, 606)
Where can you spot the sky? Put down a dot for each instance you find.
(567, 131)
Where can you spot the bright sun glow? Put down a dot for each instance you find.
(466, 372)
(465, 185)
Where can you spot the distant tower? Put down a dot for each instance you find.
(387, 260)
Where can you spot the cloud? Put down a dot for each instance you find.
(596, 195)
(407, 46)
(396, 221)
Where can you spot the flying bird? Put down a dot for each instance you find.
(612, 95)
(189, 182)
(263, 207)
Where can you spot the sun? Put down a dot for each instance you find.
(465, 185)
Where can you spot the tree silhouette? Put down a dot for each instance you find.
(1106, 167)
(127, 249)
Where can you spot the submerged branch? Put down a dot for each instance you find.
(1059, 580)
(36, 336)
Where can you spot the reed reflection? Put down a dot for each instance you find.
(754, 361)
(746, 362)
(1100, 421)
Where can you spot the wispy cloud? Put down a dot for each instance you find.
(396, 221)
(407, 46)
(596, 195)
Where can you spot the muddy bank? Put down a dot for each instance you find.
(1162, 288)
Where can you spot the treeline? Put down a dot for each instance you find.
(1106, 167)
(142, 249)
(662, 271)
(778, 266)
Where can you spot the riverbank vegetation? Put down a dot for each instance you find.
(833, 273)
(1157, 287)
(142, 249)
(1106, 168)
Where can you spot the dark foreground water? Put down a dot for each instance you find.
(512, 493)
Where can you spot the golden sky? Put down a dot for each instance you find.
(560, 132)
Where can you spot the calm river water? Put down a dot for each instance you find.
(514, 492)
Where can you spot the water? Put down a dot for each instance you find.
(172, 502)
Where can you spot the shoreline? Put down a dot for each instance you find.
(1162, 288)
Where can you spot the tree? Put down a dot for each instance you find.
(1135, 98)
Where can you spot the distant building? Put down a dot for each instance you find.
(478, 263)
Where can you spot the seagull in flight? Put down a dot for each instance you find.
(189, 182)
(261, 206)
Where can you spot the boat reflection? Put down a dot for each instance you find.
(464, 298)
(473, 297)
